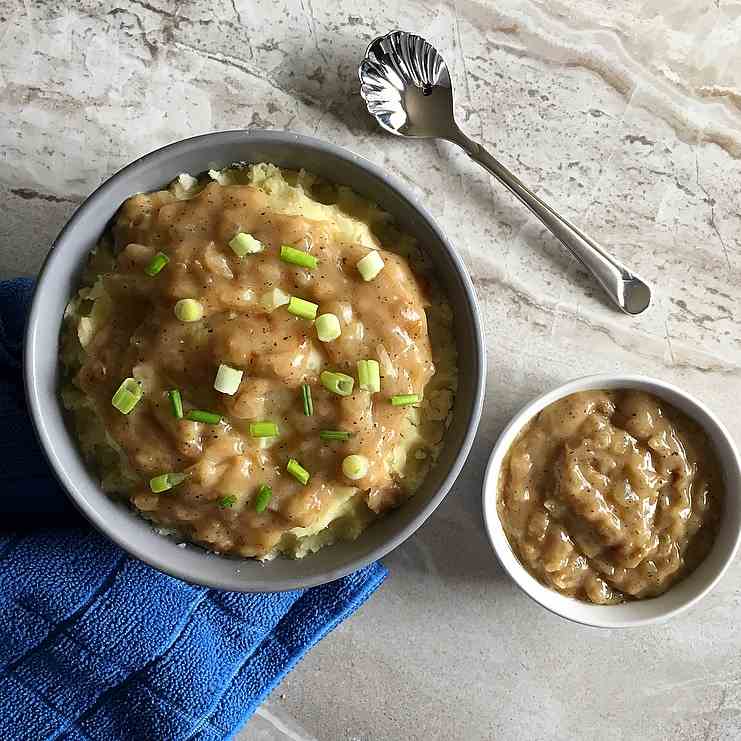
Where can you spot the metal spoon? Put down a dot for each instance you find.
(406, 85)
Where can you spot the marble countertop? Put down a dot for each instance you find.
(626, 116)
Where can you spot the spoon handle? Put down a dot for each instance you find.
(631, 294)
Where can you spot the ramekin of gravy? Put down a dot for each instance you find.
(617, 492)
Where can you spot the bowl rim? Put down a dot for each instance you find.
(569, 608)
(48, 444)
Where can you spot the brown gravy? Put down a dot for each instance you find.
(610, 495)
(277, 351)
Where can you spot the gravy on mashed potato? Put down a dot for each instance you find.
(211, 473)
(610, 495)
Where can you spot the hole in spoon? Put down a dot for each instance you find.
(427, 89)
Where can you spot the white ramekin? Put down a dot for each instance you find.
(680, 596)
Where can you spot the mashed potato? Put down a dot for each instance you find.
(122, 324)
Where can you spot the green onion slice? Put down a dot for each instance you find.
(301, 308)
(176, 403)
(263, 429)
(308, 401)
(156, 264)
(328, 328)
(338, 383)
(264, 494)
(297, 257)
(369, 375)
(127, 396)
(228, 501)
(227, 379)
(403, 400)
(165, 481)
(370, 266)
(245, 244)
(298, 471)
(335, 435)
(189, 310)
(200, 415)
(355, 467)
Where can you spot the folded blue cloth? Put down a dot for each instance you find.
(97, 646)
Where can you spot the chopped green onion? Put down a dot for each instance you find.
(337, 383)
(263, 429)
(245, 244)
(328, 328)
(176, 403)
(369, 376)
(199, 415)
(228, 501)
(127, 396)
(308, 401)
(160, 483)
(156, 264)
(335, 435)
(370, 266)
(298, 471)
(403, 400)
(264, 494)
(304, 309)
(274, 298)
(227, 379)
(297, 257)
(189, 310)
(355, 467)
(165, 481)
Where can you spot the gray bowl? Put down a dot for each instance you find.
(59, 280)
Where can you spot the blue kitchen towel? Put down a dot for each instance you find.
(97, 646)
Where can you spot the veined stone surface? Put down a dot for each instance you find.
(626, 116)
